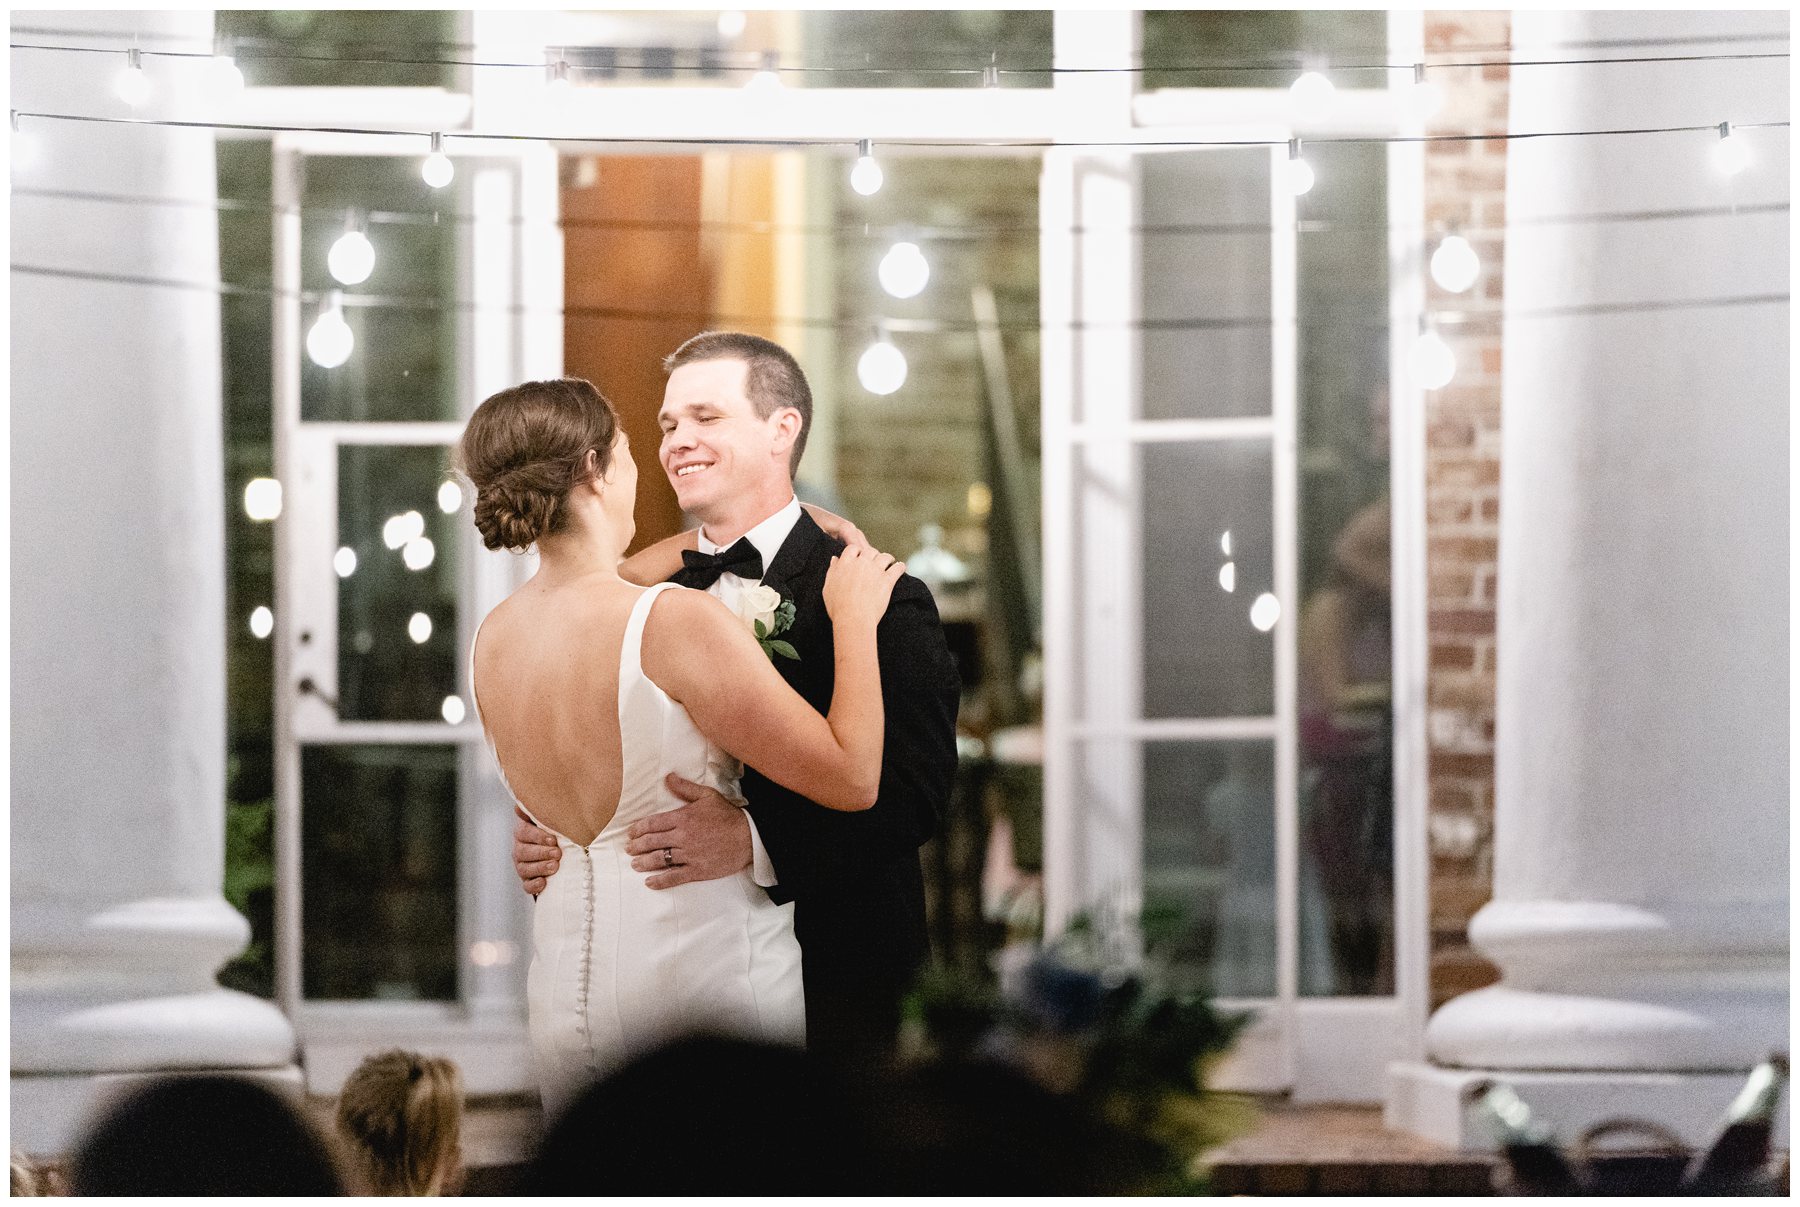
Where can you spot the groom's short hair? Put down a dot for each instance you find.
(774, 379)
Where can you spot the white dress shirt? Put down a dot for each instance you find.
(768, 537)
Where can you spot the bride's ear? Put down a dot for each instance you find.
(590, 467)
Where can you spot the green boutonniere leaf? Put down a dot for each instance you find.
(762, 630)
(781, 649)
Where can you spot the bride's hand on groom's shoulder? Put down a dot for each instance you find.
(836, 526)
(859, 585)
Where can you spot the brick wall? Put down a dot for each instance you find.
(1465, 186)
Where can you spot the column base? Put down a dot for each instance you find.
(1427, 1100)
(52, 1111)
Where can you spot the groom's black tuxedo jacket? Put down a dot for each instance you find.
(854, 877)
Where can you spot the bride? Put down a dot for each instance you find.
(591, 691)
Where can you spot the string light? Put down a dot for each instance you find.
(437, 170)
(1225, 542)
(1299, 173)
(344, 561)
(352, 258)
(419, 628)
(1433, 363)
(1454, 265)
(768, 79)
(450, 498)
(1731, 156)
(24, 146)
(1228, 577)
(262, 622)
(418, 553)
(731, 23)
(330, 341)
(262, 499)
(453, 710)
(1427, 98)
(866, 177)
(904, 271)
(400, 529)
(882, 367)
(1312, 92)
(131, 85)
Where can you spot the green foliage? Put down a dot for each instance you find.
(1123, 1041)
(249, 883)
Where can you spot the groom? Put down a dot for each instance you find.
(735, 418)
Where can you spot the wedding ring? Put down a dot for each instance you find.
(668, 857)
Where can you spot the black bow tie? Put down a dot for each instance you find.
(702, 570)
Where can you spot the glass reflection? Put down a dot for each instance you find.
(397, 613)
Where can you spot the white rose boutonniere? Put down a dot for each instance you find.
(769, 616)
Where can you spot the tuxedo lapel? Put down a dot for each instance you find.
(795, 555)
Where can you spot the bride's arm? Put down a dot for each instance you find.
(703, 656)
(656, 563)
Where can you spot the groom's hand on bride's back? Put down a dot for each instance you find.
(535, 853)
(707, 838)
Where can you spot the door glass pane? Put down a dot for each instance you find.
(1209, 861)
(1206, 274)
(378, 872)
(1202, 654)
(393, 665)
(1345, 628)
(409, 318)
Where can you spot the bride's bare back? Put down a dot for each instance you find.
(547, 679)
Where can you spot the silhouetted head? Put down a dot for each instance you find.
(706, 1116)
(207, 1135)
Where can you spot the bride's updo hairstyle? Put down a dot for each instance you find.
(525, 449)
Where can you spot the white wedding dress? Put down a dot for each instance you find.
(616, 966)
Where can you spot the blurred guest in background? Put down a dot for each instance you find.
(400, 1117)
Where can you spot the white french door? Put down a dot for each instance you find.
(398, 918)
(1172, 787)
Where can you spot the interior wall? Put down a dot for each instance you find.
(637, 282)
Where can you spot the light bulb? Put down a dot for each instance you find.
(227, 74)
(419, 553)
(1225, 542)
(769, 78)
(1312, 91)
(1228, 576)
(352, 258)
(903, 271)
(262, 623)
(882, 368)
(437, 170)
(865, 177)
(344, 561)
(1300, 178)
(262, 499)
(1433, 363)
(131, 85)
(731, 23)
(1731, 155)
(330, 341)
(450, 498)
(1265, 612)
(400, 529)
(1425, 98)
(1454, 265)
(419, 628)
(454, 710)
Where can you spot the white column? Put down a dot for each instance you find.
(1640, 912)
(118, 756)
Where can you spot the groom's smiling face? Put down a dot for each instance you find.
(715, 447)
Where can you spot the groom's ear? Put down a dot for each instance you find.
(787, 423)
